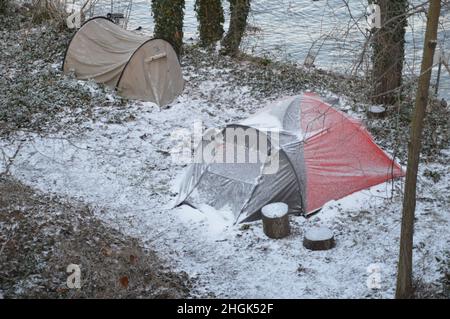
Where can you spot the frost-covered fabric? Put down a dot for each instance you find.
(340, 154)
(322, 155)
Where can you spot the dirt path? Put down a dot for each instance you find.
(40, 235)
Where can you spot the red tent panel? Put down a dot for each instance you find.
(340, 155)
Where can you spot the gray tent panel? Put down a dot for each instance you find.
(281, 186)
(244, 187)
(216, 190)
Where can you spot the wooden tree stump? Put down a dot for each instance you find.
(275, 220)
(319, 238)
(376, 112)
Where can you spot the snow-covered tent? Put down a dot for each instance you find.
(138, 67)
(316, 154)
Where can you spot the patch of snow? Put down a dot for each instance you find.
(275, 210)
(215, 222)
(319, 234)
(263, 120)
(377, 108)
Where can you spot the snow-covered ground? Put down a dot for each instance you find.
(124, 169)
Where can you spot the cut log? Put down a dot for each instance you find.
(275, 220)
(376, 112)
(319, 238)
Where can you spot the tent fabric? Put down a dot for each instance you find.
(138, 67)
(322, 155)
(340, 155)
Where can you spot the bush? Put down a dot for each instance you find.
(168, 17)
(4, 6)
(211, 19)
(49, 10)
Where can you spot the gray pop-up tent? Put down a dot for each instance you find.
(138, 67)
(312, 154)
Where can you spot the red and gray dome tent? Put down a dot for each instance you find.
(321, 155)
(138, 67)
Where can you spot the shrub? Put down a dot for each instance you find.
(49, 10)
(4, 6)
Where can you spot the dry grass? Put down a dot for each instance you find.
(49, 10)
(431, 291)
(40, 235)
(3, 6)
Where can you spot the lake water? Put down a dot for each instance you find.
(331, 31)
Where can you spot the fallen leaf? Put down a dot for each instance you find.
(133, 259)
(61, 290)
(124, 281)
(106, 251)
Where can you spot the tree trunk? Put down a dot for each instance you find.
(275, 220)
(376, 112)
(404, 276)
(276, 227)
(210, 17)
(319, 238)
(238, 21)
(168, 17)
(389, 51)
